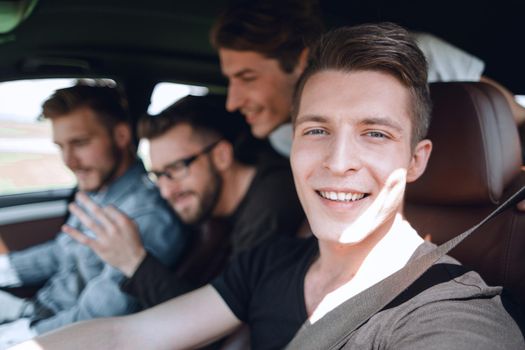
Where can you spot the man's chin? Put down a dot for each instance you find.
(188, 217)
(191, 220)
(86, 186)
(263, 131)
(258, 132)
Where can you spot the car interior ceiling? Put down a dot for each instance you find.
(169, 40)
(142, 43)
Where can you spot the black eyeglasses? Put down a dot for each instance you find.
(179, 169)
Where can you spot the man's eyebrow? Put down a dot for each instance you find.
(76, 138)
(310, 118)
(373, 120)
(384, 121)
(243, 72)
(163, 167)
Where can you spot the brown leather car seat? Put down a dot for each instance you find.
(474, 166)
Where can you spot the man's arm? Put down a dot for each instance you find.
(8, 275)
(153, 283)
(36, 264)
(191, 320)
(101, 297)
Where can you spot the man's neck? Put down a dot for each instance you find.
(338, 275)
(127, 162)
(123, 165)
(236, 183)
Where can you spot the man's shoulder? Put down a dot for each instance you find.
(276, 259)
(447, 279)
(450, 300)
(145, 192)
(279, 251)
(272, 190)
(272, 177)
(270, 163)
(138, 196)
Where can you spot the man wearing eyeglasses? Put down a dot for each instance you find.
(200, 162)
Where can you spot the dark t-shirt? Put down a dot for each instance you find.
(449, 307)
(270, 207)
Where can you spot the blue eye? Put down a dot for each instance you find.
(376, 134)
(315, 132)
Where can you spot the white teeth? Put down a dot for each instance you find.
(342, 196)
(250, 110)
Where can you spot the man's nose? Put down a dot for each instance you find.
(69, 157)
(167, 187)
(343, 155)
(235, 97)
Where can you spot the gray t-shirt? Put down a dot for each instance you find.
(449, 307)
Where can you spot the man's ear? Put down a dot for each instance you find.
(222, 155)
(122, 135)
(419, 160)
(302, 61)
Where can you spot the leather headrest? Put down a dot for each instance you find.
(476, 149)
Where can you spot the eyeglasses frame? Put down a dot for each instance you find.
(186, 162)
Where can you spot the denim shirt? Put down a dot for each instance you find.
(79, 284)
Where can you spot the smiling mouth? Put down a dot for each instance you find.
(250, 113)
(81, 173)
(342, 196)
(181, 196)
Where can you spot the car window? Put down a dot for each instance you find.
(521, 99)
(29, 160)
(166, 93)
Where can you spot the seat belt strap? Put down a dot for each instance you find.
(333, 330)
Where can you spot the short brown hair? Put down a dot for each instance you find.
(384, 47)
(205, 114)
(208, 119)
(105, 101)
(275, 29)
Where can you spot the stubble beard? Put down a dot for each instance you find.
(209, 199)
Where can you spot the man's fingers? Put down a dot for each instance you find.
(87, 220)
(119, 218)
(98, 213)
(78, 236)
